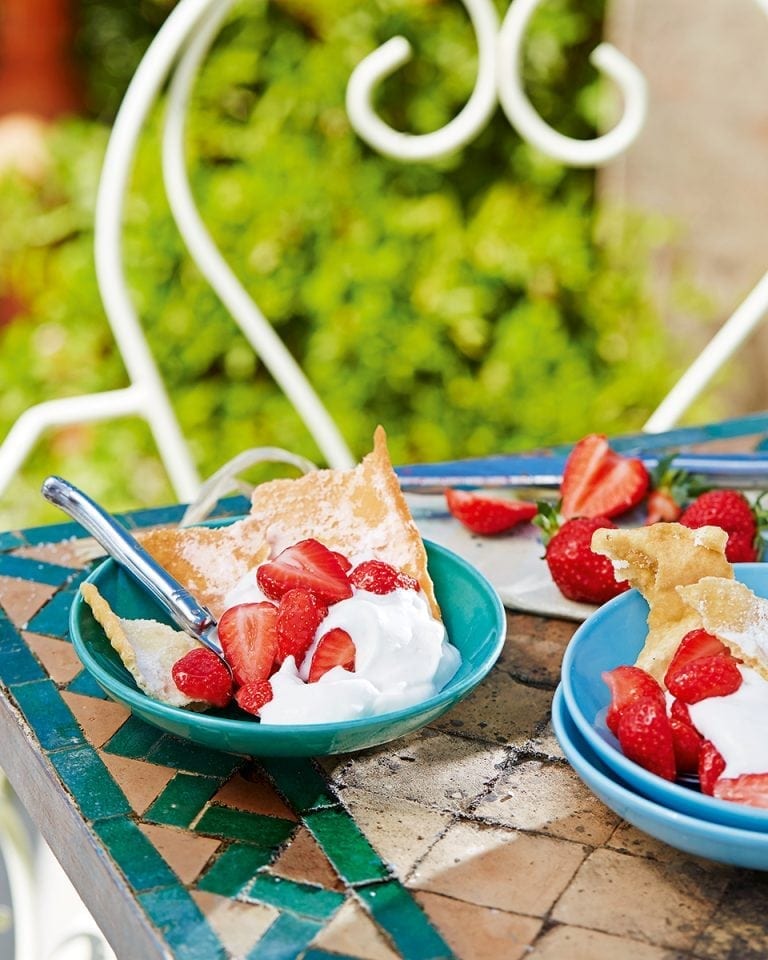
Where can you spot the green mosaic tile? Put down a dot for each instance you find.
(153, 516)
(84, 684)
(234, 868)
(285, 939)
(17, 663)
(53, 618)
(256, 828)
(304, 899)
(183, 755)
(345, 846)
(134, 854)
(37, 571)
(315, 954)
(396, 912)
(299, 782)
(84, 774)
(182, 799)
(50, 718)
(135, 739)
(231, 507)
(182, 924)
(55, 533)
(11, 539)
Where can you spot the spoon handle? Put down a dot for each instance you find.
(181, 606)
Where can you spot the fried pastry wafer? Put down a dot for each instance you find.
(731, 611)
(147, 648)
(657, 559)
(361, 512)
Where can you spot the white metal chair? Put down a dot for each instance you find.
(182, 43)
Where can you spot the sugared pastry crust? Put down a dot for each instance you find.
(729, 610)
(657, 559)
(208, 561)
(147, 648)
(361, 512)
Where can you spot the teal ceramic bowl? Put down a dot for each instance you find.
(474, 619)
(612, 636)
(716, 841)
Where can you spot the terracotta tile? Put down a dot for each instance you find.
(401, 830)
(250, 790)
(303, 860)
(99, 719)
(141, 782)
(21, 599)
(548, 798)
(635, 897)
(74, 552)
(737, 929)
(239, 926)
(57, 656)
(501, 710)
(534, 648)
(186, 853)
(459, 770)
(495, 867)
(353, 933)
(480, 933)
(629, 839)
(576, 943)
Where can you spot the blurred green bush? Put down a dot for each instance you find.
(473, 305)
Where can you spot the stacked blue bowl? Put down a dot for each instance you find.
(676, 813)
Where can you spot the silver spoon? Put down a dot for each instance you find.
(176, 600)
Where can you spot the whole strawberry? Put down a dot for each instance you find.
(730, 510)
(579, 573)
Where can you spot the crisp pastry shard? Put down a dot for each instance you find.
(657, 559)
(361, 512)
(731, 611)
(208, 561)
(147, 648)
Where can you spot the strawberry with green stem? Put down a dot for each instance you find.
(578, 572)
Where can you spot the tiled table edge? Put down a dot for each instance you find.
(146, 914)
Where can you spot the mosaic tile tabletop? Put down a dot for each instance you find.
(471, 839)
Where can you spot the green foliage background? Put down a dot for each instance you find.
(473, 305)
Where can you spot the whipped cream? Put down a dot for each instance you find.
(402, 657)
(737, 724)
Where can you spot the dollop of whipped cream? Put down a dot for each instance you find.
(402, 657)
(736, 724)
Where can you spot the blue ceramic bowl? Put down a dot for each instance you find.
(613, 636)
(716, 841)
(473, 616)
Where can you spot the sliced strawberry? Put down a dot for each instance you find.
(645, 735)
(254, 695)
(687, 744)
(375, 576)
(628, 684)
(248, 635)
(715, 676)
(598, 482)
(307, 564)
(679, 711)
(750, 788)
(298, 617)
(661, 507)
(335, 649)
(488, 515)
(695, 644)
(711, 765)
(201, 675)
(345, 564)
